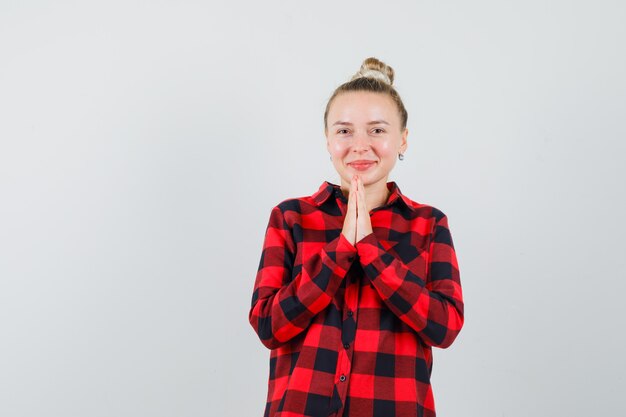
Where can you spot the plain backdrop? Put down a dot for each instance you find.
(143, 145)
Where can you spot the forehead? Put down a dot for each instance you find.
(363, 106)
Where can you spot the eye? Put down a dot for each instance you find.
(342, 131)
(379, 130)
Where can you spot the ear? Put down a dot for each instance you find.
(403, 142)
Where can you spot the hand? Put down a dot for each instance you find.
(349, 223)
(363, 221)
(357, 223)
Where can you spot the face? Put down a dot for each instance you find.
(363, 136)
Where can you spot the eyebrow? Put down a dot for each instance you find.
(373, 122)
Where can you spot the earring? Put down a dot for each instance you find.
(331, 157)
(401, 157)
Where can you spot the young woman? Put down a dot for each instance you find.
(357, 282)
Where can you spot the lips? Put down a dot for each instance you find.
(362, 165)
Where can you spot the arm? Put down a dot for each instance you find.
(284, 303)
(432, 306)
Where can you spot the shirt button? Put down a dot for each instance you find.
(346, 346)
(349, 313)
(342, 378)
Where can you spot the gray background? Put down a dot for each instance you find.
(143, 145)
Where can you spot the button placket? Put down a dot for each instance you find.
(351, 295)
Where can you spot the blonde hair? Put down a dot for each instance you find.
(375, 76)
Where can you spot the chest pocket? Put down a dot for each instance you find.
(411, 249)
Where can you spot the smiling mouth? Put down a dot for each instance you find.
(362, 166)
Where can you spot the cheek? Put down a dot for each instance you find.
(386, 149)
(338, 149)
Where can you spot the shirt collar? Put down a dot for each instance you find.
(328, 189)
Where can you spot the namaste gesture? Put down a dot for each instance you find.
(357, 223)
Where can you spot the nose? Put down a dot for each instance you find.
(361, 142)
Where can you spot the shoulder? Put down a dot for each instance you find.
(290, 213)
(296, 205)
(433, 221)
(292, 210)
(424, 210)
(309, 203)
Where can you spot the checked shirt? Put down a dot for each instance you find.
(351, 327)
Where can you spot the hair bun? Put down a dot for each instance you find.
(374, 68)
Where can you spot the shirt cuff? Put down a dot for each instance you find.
(346, 251)
(368, 249)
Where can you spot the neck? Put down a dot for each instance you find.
(376, 194)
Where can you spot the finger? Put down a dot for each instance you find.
(364, 225)
(349, 227)
(361, 196)
(352, 197)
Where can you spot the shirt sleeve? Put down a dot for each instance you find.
(432, 305)
(287, 297)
